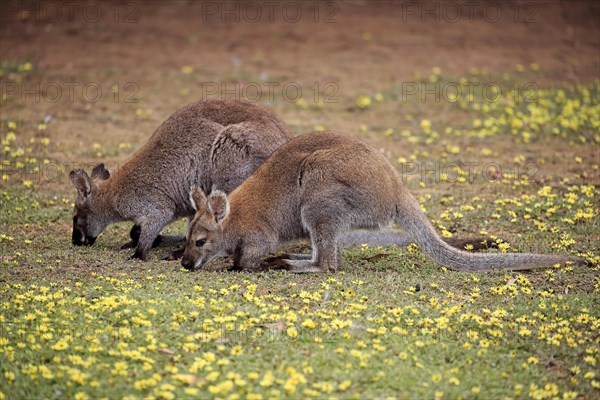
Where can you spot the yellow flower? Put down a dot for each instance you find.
(267, 379)
(590, 360)
(309, 323)
(292, 332)
(363, 101)
(524, 332)
(10, 376)
(221, 388)
(213, 376)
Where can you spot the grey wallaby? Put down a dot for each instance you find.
(209, 144)
(321, 185)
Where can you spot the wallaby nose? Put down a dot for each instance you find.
(78, 239)
(185, 263)
(82, 240)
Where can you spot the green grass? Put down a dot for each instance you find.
(84, 323)
(371, 333)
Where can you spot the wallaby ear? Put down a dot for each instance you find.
(81, 181)
(100, 172)
(198, 199)
(218, 205)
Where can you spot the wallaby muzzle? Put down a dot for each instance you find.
(187, 264)
(191, 264)
(80, 239)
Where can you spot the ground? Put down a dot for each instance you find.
(489, 111)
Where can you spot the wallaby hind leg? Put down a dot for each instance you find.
(323, 228)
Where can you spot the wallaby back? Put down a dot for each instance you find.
(321, 185)
(213, 143)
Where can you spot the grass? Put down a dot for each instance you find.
(83, 323)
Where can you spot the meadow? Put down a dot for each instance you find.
(516, 163)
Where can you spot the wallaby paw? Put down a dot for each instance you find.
(128, 245)
(174, 255)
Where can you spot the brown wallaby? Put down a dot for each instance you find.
(209, 144)
(320, 185)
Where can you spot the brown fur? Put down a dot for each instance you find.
(321, 185)
(212, 144)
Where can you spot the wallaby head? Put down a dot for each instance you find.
(205, 233)
(87, 221)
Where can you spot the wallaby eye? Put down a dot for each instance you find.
(200, 242)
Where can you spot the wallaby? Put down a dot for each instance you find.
(320, 185)
(209, 144)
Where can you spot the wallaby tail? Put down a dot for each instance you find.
(412, 220)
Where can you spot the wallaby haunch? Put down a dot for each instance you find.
(211, 144)
(321, 185)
